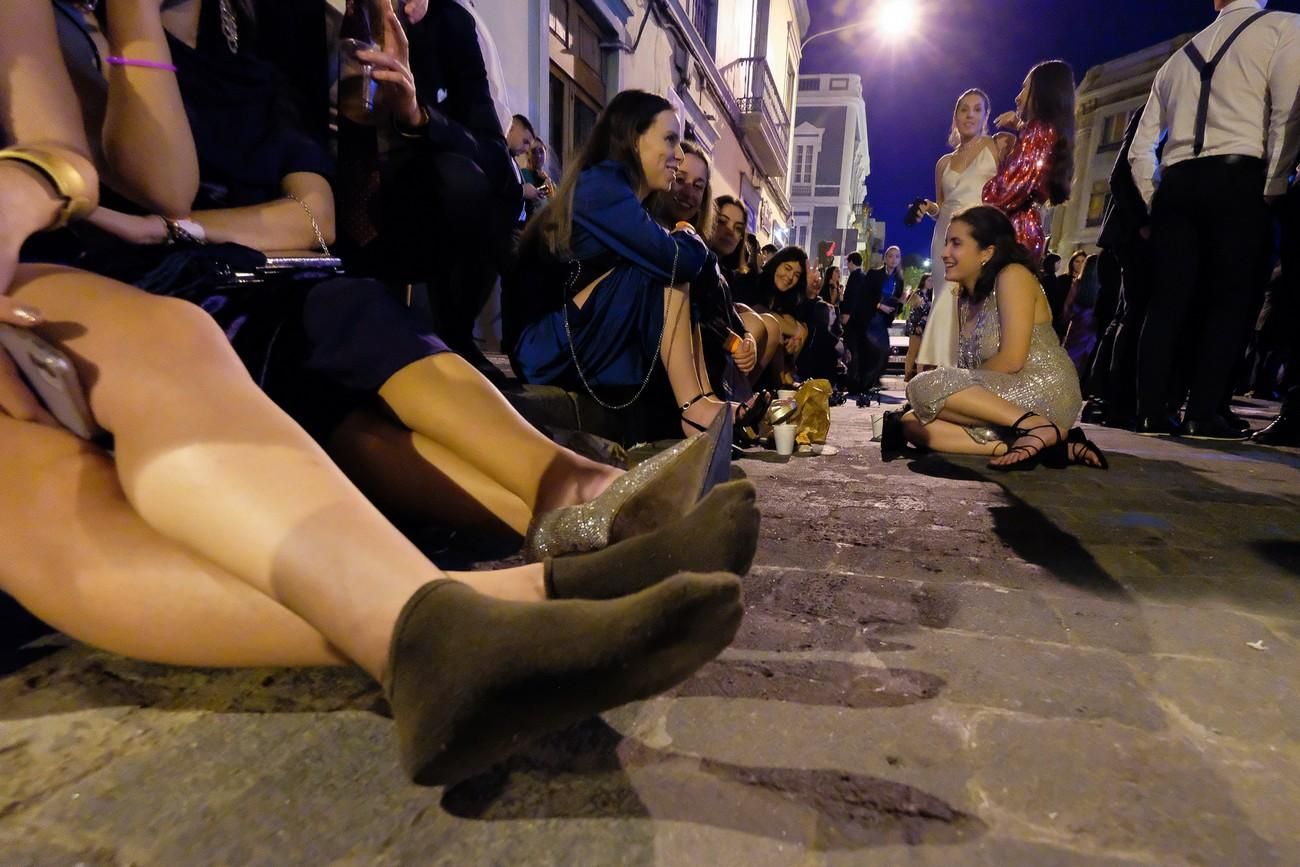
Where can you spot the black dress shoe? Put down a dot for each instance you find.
(1156, 426)
(1212, 428)
(1236, 421)
(1282, 431)
(1094, 412)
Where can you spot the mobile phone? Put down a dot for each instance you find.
(52, 378)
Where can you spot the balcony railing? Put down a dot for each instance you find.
(763, 114)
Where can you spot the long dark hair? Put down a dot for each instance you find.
(737, 262)
(1051, 102)
(992, 228)
(825, 294)
(783, 302)
(614, 137)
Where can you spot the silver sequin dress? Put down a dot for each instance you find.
(1046, 385)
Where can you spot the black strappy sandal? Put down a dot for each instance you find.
(1078, 447)
(743, 416)
(1052, 455)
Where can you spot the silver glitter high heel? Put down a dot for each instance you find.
(653, 493)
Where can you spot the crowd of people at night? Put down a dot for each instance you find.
(214, 248)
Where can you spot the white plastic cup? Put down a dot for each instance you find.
(785, 393)
(784, 436)
(877, 427)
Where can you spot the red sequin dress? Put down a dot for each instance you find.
(1020, 186)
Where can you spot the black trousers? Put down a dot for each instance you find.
(441, 225)
(1290, 218)
(1208, 236)
(1106, 314)
(1135, 296)
(860, 357)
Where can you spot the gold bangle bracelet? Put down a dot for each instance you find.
(69, 181)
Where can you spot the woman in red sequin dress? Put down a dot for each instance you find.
(1039, 168)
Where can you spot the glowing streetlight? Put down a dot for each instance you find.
(893, 19)
(925, 264)
(896, 18)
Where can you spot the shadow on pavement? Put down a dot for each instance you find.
(1283, 553)
(1033, 536)
(591, 772)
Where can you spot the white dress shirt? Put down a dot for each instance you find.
(1253, 99)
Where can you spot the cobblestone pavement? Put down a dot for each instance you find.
(939, 666)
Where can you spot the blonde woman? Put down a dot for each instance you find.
(959, 179)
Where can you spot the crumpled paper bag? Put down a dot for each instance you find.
(814, 399)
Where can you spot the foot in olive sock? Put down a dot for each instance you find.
(719, 535)
(472, 678)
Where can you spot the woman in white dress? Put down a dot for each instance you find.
(959, 179)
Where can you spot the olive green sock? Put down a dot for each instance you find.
(719, 535)
(471, 678)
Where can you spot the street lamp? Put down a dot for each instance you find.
(897, 18)
(925, 264)
(894, 18)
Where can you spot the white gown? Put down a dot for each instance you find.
(961, 190)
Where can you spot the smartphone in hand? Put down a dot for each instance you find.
(52, 378)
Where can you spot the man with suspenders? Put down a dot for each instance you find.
(1226, 111)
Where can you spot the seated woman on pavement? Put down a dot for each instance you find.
(603, 292)
(728, 240)
(1014, 391)
(781, 286)
(823, 351)
(422, 432)
(691, 201)
(218, 533)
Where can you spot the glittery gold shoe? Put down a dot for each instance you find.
(653, 493)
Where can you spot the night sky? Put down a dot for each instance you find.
(910, 87)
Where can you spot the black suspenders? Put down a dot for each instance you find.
(1206, 69)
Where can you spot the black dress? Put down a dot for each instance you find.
(318, 344)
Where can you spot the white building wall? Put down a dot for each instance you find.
(521, 31)
(1115, 88)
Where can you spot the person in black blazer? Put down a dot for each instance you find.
(883, 296)
(446, 180)
(855, 316)
(1125, 232)
(450, 183)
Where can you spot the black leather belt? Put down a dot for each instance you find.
(1239, 162)
(1236, 160)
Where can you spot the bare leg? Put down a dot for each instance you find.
(909, 363)
(412, 478)
(944, 436)
(775, 347)
(76, 554)
(460, 415)
(222, 471)
(684, 368)
(980, 404)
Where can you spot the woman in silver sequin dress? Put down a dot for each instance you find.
(1014, 392)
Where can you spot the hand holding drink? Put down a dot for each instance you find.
(358, 89)
(375, 76)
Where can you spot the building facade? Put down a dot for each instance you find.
(731, 65)
(1107, 98)
(830, 162)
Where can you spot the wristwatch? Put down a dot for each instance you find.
(68, 181)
